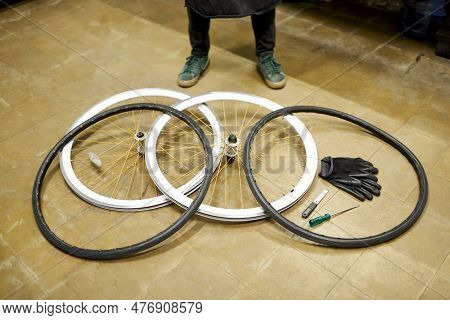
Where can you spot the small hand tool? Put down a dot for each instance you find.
(318, 220)
(314, 204)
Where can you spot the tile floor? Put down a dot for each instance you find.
(58, 57)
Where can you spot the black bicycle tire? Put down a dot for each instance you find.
(328, 240)
(120, 252)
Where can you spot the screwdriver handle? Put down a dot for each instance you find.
(318, 220)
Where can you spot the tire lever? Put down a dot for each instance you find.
(314, 204)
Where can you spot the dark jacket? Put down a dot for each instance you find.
(230, 8)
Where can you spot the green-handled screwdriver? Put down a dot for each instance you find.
(318, 220)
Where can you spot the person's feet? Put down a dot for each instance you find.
(192, 70)
(271, 71)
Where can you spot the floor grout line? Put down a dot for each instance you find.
(313, 260)
(384, 257)
(27, 270)
(211, 259)
(263, 265)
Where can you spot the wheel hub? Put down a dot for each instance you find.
(231, 147)
(140, 137)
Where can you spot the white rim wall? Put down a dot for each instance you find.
(120, 204)
(225, 214)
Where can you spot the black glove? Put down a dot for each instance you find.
(353, 175)
(333, 168)
(362, 191)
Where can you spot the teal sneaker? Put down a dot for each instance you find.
(271, 71)
(192, 70)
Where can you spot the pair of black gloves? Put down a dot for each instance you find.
(353, 175)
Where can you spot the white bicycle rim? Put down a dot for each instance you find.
(226, 214)
(121, 204)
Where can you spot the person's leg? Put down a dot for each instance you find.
(264, 30)
(197, 63)
(198, 33)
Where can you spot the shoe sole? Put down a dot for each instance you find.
(192, 82)
(271, 84)
(276, 85)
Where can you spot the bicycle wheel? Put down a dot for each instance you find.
(134, 133)
(110, 119)
(335, 241)
(229, 198)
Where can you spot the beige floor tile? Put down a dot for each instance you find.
(63, 73)
(27, 149)
(59, 272)
(334, 101)
(354, 142)
(61, 51)
(245, 293)
(12, 40)
(120, 287)
(19, 228)
(408, 44)
(193, 278)
(344, 291)
(372, 217)
(162, 13)
(430, 294)
(15, 123)
(4, 33)
(337, 261)
(343, 23)
(291, 7)
(433, 119)
(30, 291)
(132, 276)
(41, 256)
(144, 45)
(39, 108)
(28, 63)
(437, 205)
(315, 14)
(41, 10)
(119, 230)
(359, 13)
(13, 85)
(278, 233)
(59, 204)
(392, 56)
(316, 188)
(321, 69)
(355, 84)
(13, 274)
(381, 279)
(6, 251)
(396, 174)
(83, 88)
(398, 104)
(416, 252)
(442, 166)
(240, 249)
(62, 292)
(296, 49)
(441, 282)
(291, 275)
(248, 80)
(376, 35)
(427, 148)
(235, 36)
